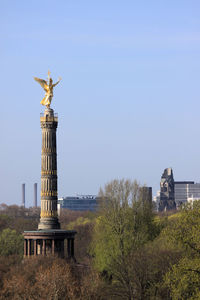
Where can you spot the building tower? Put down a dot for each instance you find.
(167, 197)
(23, 194)
(35, 195)
(146, 194)
(49, 238)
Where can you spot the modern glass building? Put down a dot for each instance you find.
(185, 190)
(80, 202)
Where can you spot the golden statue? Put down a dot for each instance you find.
(48, 87)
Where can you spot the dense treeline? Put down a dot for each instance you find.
(124, 251)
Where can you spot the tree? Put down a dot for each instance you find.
(125, 224)
(50, 278)
(11, 242)
(4, 221)
(183, 279)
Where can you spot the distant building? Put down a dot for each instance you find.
(146, 194)
(167, 195)
(23, 194)
(156, 199)
(185, 191)
(79, 202)
(175, 193)
(35, 195)
(192, 199)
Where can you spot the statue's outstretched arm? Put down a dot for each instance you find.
(59, 79)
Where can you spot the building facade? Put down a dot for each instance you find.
(79, 202)
(93, 202)
(185, 191)
(175, 193)
(146, 194)
(167, 195)
(156, 200)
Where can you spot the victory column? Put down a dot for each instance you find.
(49, 195)
(49, 238)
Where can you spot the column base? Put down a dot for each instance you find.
(48, 223)
(49, 242)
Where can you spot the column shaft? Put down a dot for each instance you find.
(69, 247)
(29, 247)
(49, 219)
(62, 248)
(35, 247)
(25, 248)
(43, 247)
(53, 247)
(40, 247)
(72, 247)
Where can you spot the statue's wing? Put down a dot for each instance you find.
(42, 82)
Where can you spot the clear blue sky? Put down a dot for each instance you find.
(129, 99)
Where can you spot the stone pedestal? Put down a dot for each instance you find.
(49, 242)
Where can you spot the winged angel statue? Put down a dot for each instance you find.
(48, 87)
